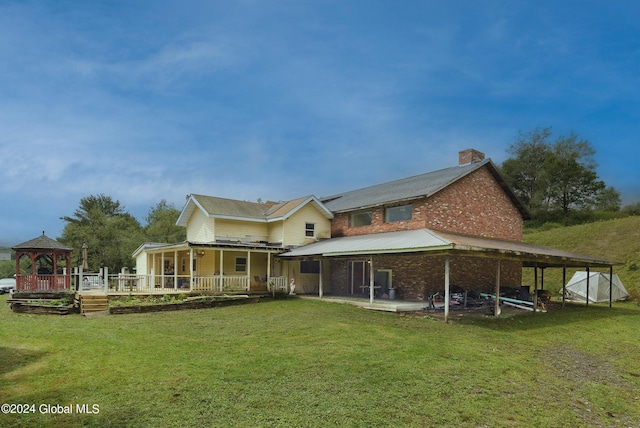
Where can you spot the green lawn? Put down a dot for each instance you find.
(309, 363)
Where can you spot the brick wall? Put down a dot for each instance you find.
(416, 275)
(474, 205)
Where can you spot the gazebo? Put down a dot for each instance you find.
(48, 268)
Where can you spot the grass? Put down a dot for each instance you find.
(309, 363)
(617, 240)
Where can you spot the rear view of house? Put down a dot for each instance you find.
(403, 239)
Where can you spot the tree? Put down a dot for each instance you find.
(608, 200)
(110, 233)
(571, 176)
(554, 179)
(525, 169)
(161, 224)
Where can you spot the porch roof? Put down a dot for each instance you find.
(426, 240)
(151, 247)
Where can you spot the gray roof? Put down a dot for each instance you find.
(216, 207)
(426, 240)
(42, 242)
(414, 187)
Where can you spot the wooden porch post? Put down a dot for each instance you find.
(162, 269)
(190, 268)
(496, 309)
(447, 297)
(268, 266)
(249, 270)
(221, 267)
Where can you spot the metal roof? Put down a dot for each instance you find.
(415, 187)
(426, 240)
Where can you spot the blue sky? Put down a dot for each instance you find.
(152, 100)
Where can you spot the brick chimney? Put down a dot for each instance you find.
(470, 156)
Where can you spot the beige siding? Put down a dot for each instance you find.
(275, 232)
(200, 228)
(141, 263)
(294, 227)
(246, 231)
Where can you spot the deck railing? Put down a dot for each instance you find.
(42, 282)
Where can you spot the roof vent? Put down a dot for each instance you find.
(470, 156)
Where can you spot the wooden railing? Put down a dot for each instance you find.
(277, 284)
(43, 283)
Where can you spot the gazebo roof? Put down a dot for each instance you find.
(42, 242)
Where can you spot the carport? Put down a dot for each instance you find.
(447, 244)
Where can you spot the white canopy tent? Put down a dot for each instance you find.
(598, 284)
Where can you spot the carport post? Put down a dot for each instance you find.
(320, 280)
(371, 283)
(610, 285)
(588, 274)
(496, 309)
(564, 281)
(447, 297)
(535, 287)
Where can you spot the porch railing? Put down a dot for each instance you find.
(155, 284)
(221, 284)
(277, 284)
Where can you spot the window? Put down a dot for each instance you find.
(362, 218)
(241, 264)
(399, 213)
(309, 266)
(310, 230)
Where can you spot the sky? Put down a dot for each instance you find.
(153, 100)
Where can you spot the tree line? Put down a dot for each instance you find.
(111, 234)
(556, 179)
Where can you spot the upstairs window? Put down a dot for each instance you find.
(310, 230)
(399, 213)
(362, 218)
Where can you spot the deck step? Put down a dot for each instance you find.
(93, 303)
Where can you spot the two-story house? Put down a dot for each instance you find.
(406, 238)
(419, 235)
(232, 245)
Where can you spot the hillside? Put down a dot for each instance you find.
(617, 240)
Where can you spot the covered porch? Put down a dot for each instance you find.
(202, 267)
(446, 254)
